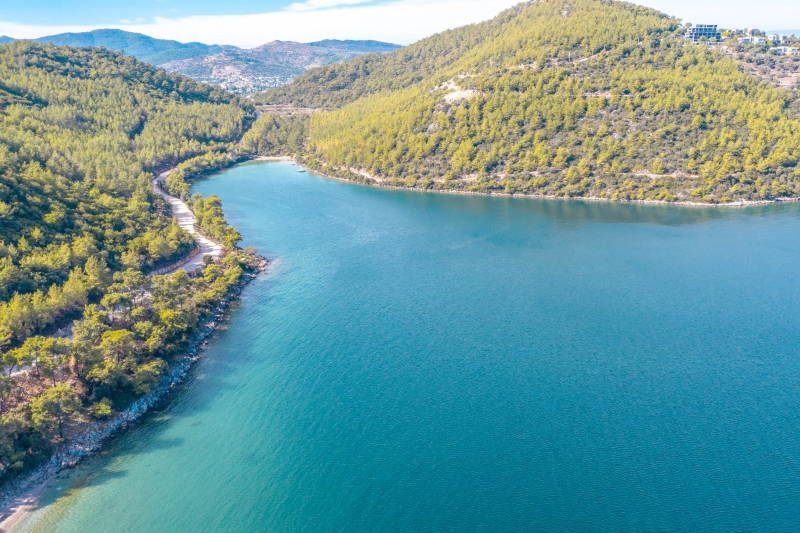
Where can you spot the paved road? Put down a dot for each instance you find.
(187, 221)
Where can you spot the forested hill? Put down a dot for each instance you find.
(337, 84)
(557, 97)
(81, 133)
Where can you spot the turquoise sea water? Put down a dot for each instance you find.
(417, 362)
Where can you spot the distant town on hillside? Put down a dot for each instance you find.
(242, 71)
(770, 55)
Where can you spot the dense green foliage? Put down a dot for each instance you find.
(81, 132)
(75, 195)
(273, 135)
(556, 98)
(118, 351)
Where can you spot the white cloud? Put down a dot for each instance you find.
(322, 4)
(401, 21)
(26, 31)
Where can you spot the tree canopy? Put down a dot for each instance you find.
(78, 143)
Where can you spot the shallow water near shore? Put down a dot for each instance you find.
(420, 362)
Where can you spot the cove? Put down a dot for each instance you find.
(429, 362)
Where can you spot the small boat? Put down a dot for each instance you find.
(302, 170)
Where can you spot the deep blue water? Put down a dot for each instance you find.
(417, 362)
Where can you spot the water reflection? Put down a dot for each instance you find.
(576, 211)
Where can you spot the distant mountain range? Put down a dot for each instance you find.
(271, 65)
(236, 69)
(148, 49)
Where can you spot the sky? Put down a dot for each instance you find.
(249, 23)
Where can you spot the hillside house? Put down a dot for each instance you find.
(703, 31)
(752, 40)
(787, 50)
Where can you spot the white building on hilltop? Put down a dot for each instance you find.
(787, 51)
(752, 40)
(703, 31)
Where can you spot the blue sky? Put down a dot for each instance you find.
(82, 12)
(254, 22)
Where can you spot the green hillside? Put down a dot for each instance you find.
(334, 85)
(81, 133)
(578, 98)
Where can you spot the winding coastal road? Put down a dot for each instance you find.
(187, 221)
(190, 263)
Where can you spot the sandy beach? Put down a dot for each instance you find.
(186, 221)
(20, 506)
(273, 158)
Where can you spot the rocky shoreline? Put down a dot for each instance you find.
(19, 492)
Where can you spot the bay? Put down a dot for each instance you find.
(429, 362)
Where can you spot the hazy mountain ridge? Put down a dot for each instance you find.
(270, 65)
(360, 47)
(143, 47)
(236, 69)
